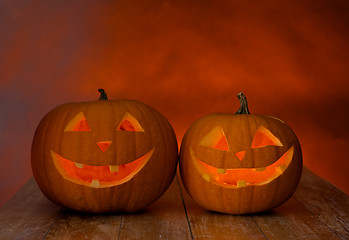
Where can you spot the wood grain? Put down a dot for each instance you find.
(329, 204)
(75, 226)
(165, 219)
(295, 219)
(292, 221)
(205, 224)
(28, 215)
(317, 210)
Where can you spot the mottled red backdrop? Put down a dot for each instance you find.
(186, 59)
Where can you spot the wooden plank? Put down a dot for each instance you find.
(28, 215)
(73, 225)
(205, 224)
(165, 219)
(318, 210)
(292, 221)
(328, 203)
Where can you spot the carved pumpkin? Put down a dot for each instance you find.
(105, 155)
(240, 163)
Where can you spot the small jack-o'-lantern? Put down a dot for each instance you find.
(240, 163)
(105, 155)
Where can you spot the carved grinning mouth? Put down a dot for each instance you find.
(235, 178)
(99, 176)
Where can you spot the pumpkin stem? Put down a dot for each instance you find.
(243, 104)
(103, 94)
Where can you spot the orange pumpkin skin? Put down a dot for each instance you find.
(104, 156)
(240, 172)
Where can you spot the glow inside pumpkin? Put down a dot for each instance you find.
(103, 175)
(99, 176)
(241, 177)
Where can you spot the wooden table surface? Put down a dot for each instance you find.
(317, 210)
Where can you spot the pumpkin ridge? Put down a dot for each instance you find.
(266, 177)
(136, 188)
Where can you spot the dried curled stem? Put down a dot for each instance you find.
(103, 94)
(243, 104)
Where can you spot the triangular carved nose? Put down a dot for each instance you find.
(103, 145)
(240, 155)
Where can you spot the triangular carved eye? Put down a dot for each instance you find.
(215, 139)
(129, 123)
(263, 137)
(78, 123)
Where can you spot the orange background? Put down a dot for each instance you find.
(185, 58)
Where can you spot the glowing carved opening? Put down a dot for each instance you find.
(129, 123)
(99, 176)
(215, 139)
(241, 177)
(263, 137)
(78, 123)
(240, 155)
(103, 145)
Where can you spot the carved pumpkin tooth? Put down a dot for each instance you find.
(266, 164)
(114, 168)
(74, 131)
(78, 165)
(281, 168)
(221, 170)
(241, 183)
(260, 169)
(95, 183)
(206, 177)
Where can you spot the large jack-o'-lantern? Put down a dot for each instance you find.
(240, 163)
(105, 155)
